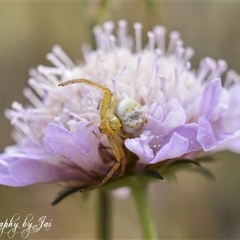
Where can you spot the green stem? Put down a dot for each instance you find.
(139, 193)
(104, 218)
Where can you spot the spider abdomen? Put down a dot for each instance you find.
(131, 115)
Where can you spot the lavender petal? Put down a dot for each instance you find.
(176, 147)
(205, 134)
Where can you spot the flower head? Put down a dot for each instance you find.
(186, 113)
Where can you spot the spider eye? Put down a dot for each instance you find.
(131, 114)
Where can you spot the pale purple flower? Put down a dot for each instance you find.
(189, 112)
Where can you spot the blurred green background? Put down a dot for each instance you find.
(192, 208)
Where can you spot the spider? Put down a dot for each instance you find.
(129, 119)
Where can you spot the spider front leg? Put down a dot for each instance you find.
(106, 101)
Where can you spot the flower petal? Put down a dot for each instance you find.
(188, 131)
(211, 97)
(9, 181)
(87, 138)
(174, 118)
(140, 146)
(29, 171)
(205, 134)
(176, 147)
(65, 143)
(156, 111)
(91, 145)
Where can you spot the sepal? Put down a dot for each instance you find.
(66, 192)
(153, 173)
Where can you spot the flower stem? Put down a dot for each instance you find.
(104, 218)
(139, 193)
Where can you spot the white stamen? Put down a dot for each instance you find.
(112, 41)
(130, 43)
(58, 120)
(51, 70)
(187, 66)
(158, 52)
(12, 114)
(17, 106)
(179, 43)
(114, 84)
(189, 52)
(174, 36)
(22, 126)
(72, 114)
(151, 41)
(231, 77)
(154, 92)
(97, 31)
(220, 69)
(36, 87)
(122, 70)
(138, 36)
(89, 97)
(176, 81)
(122, 33)
(138, 64)
(206, 65)
(108, 27)
(58, 51)
(179, 53)
(162, 80)
(160, 33)
(36, 75)
(47, 73)
(28, 93)
(34, 84)
(54, 60)
(156, 74)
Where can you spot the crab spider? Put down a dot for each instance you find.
(129, 118)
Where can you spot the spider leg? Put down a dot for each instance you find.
(92, 123)
(105, 180)
(123, 166)
(116, 144)
(106, 101)
(97, 135)
(113, 104)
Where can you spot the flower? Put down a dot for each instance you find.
(188, 113)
